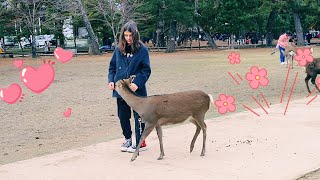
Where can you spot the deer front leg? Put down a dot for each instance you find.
(195, 135)
(147, 130)
(159, 132)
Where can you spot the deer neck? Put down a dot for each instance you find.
(134, 101)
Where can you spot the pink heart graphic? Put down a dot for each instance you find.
(18, 63)
(62, 55)
(11, 94)
(37, 80)
(67, 113)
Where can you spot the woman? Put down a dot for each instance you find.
(131, 57)
(282, 44)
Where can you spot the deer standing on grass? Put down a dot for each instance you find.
(159, 110)
(289, 53)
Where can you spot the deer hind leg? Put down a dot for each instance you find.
(313, 80)
(307, 82)
(291, 58)
(199, 118)
(195, 135)
(159, 132)
(147, 130)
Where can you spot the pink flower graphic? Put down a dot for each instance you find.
(318, 82)
(257, 77)
(303, 56)
(234, 58)
(225, 103)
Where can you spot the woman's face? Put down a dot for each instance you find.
(128, 37)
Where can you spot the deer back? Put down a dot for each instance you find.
(177, 107)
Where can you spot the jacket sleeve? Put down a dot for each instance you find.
(143, 75)
(112, 67)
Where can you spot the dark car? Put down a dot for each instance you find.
(106, 48)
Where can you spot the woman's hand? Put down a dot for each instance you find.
(111, 85)
(133, 87)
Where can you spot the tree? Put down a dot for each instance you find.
(94, 45)
(207, 15)
(115, 13)
(29, 14)
(55, 14)
(6, 19)
(300, 10)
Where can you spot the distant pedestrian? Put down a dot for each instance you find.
(281, 45)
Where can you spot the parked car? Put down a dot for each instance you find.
(9, 40)
(25, 43)
(106, 48)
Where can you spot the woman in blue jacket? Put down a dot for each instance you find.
(131, 57)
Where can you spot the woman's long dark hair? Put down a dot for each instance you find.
(130, 26)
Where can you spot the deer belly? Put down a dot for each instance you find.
(173, 120)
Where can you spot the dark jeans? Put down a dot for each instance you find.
(124, 114)
(281, 49)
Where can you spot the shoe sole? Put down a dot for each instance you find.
(140, 150)
(124, 149)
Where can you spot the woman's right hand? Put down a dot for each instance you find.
(111, 85)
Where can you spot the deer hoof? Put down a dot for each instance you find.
(202, 154)
(191, 149)
(160, 158)
(133, 158)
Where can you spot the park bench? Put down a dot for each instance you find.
(5, 55)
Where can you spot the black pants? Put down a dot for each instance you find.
(124, 114)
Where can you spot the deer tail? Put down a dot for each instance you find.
(211, 99)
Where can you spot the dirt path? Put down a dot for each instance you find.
(36, 126)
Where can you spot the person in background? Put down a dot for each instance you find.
(281, 45)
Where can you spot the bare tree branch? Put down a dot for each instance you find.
(115, 13)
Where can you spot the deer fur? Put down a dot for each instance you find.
(312, 70)
(289, 53)
(159, 110)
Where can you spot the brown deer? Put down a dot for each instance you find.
(159, 110)
(289, 53)
(312, 70)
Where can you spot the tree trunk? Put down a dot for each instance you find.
(21, 48)
(231, 41)
(94, 41)
(199, 36)
(33, 46)
(298, 27)
(171, 46)
(270, 24)
(211, 43)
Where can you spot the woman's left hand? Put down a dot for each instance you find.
(133, 87)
